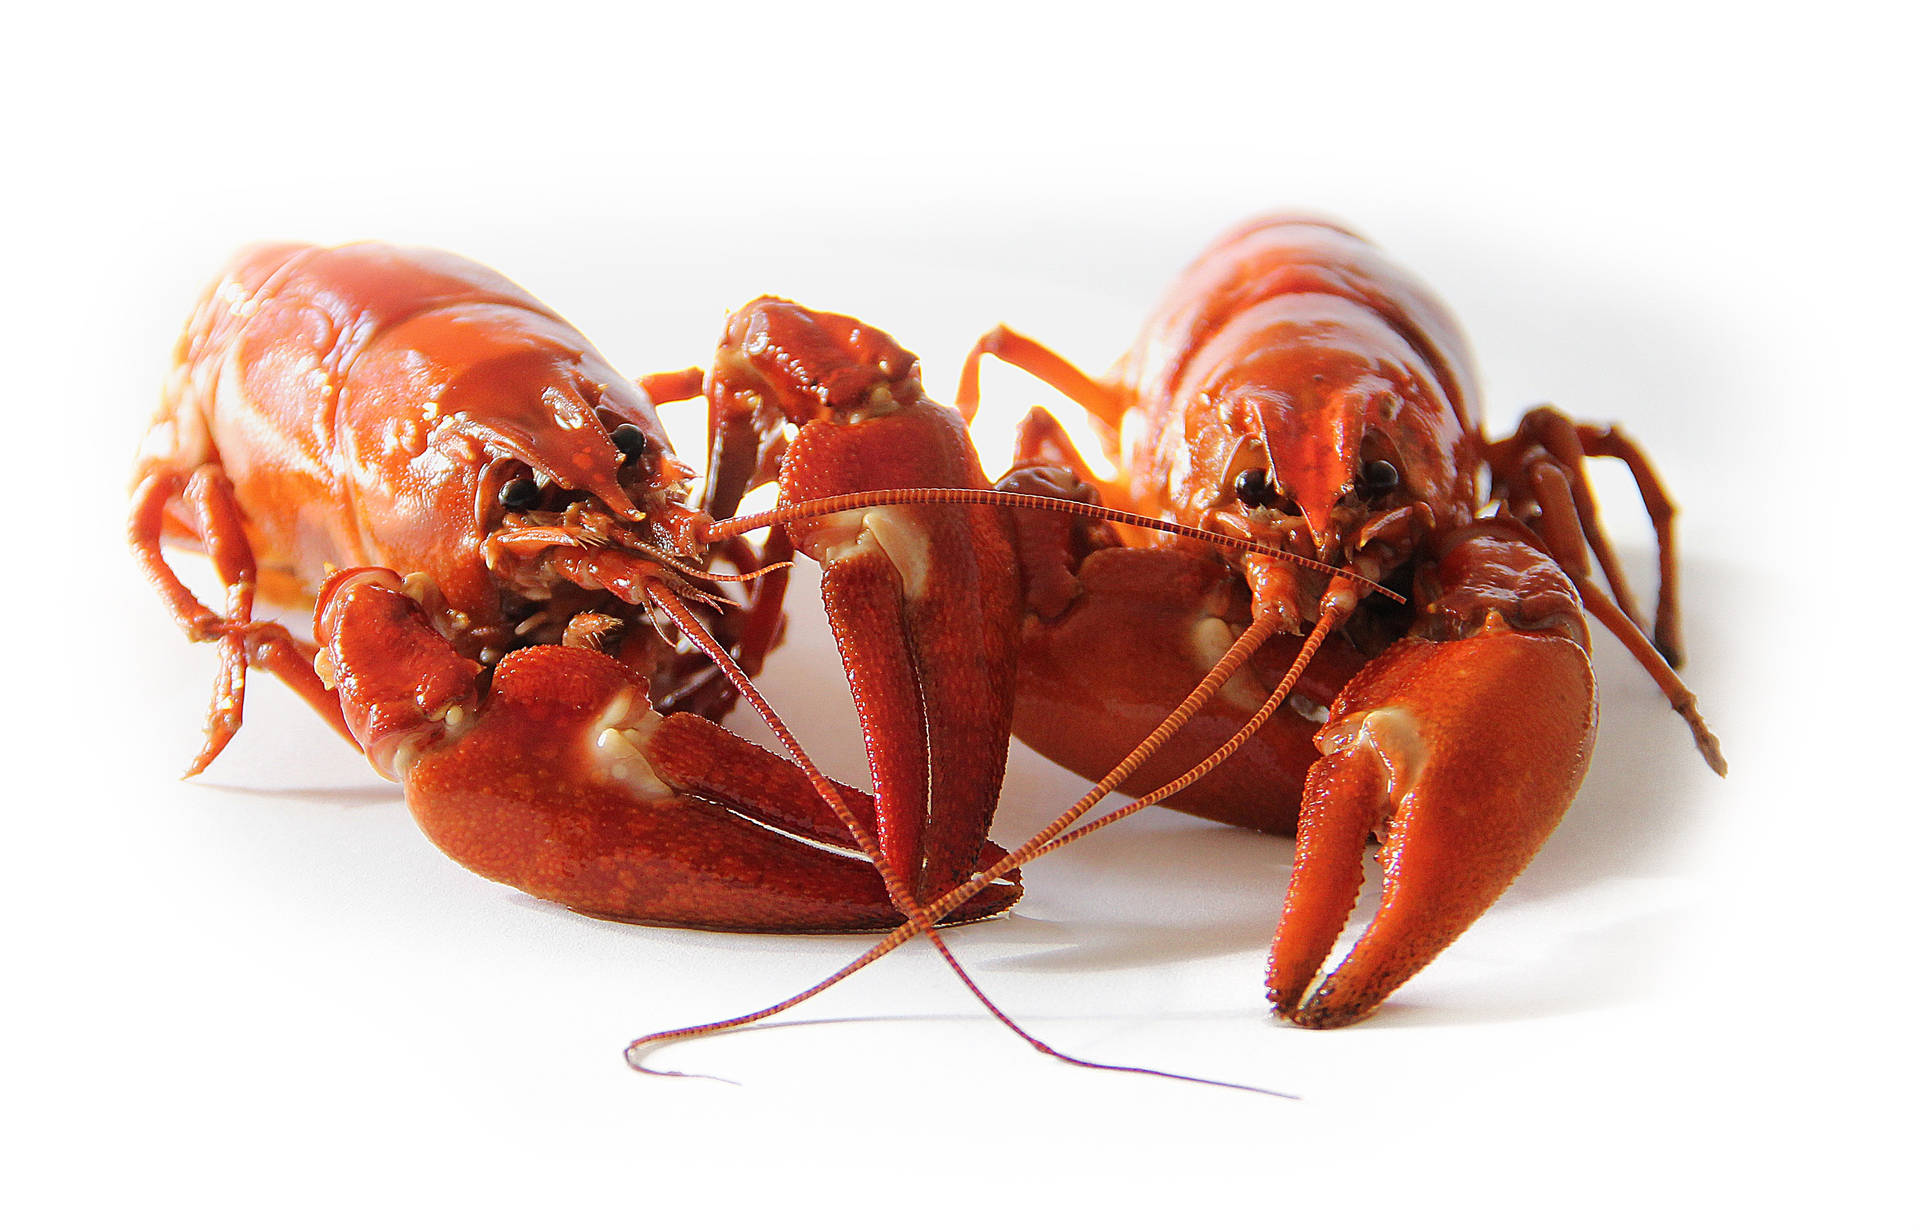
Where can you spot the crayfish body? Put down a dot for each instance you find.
(515, 610)
(1296, 390)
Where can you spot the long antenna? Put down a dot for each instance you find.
(884, 497)
(1325, 625)
(903, 900)
(1334, 608)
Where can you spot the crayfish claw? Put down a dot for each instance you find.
(924, 602)
(1467, 753)
(557, 776)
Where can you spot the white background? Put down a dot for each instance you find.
(263, 999)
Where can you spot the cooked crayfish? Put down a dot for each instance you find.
(491, 526)
(1299, 391)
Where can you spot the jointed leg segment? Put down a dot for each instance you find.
(203, 502)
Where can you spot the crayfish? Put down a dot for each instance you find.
(1316, 592)
(1298, 391)
(491, 527)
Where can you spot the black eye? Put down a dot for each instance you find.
(1255, 489)
(519, 493)
(630, 440)
(1378, 477)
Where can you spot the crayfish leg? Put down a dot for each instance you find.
(1548, 443)
(1106, 403)
(202, 503)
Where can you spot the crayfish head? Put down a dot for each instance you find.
(561, 431)
(1320, 449)
(571, 492)
(1323, 461)
(470, 431)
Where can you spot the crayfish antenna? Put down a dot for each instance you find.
(1258, 634)
(638, 1049)
(919, 921)
(1329, 620)
(1053, 837)
(881, 498)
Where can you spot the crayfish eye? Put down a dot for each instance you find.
(1378, 477)
(630, 440)
(521, 493)
(1254, 488)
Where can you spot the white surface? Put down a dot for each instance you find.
(264, 999)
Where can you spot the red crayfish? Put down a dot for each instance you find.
(491, 526)
(519, 614)
(1297, 390)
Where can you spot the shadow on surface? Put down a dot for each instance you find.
(372, 795)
